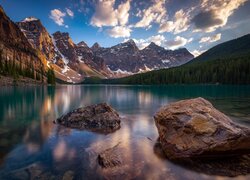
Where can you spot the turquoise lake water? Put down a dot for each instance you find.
(31, 145)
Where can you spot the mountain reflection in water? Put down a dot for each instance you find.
(32, 146)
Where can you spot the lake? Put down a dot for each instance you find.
(31, 145)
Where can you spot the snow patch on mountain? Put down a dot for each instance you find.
(29, 19)
(166, 61)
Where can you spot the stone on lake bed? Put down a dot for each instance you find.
(110, 157)
(194, 128)
(100, 118)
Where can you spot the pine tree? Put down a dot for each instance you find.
(51, 76)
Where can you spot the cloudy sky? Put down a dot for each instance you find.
(195, 24)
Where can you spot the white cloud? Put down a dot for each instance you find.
(119, 31)
(210, 39)
(155, 13)
(197, 52)
(177, 42)
(179, 24)
(215, 14)
(160, 40)
(69, 12)
(123, 12)
(57, 16)
(106, 15)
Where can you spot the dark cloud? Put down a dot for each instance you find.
(206, 19)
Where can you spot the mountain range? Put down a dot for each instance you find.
(74, 62)
(226, 63)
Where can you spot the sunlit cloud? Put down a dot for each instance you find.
(197, 52)
(155, 13)
(160, 40)
(69, 12)
(177, 42)
(210, 39)
(57, 16)
(179, 24)
(215, 14)
(119, 31)
(106, 15)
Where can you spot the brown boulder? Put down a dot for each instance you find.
(99, 117)
(194, 128)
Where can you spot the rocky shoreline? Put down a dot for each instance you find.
(22, 81)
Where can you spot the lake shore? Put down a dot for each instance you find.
(21, 81)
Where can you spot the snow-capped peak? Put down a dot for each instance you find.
(29, 19)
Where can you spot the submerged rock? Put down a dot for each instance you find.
(99, 117)
(194, 128)
(110, 157)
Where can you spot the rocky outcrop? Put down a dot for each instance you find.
(67, 48)
(194, 128)
(100, 118)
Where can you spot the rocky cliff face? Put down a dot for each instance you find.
(126, 57)
(156, 57)
(95, 47)
(16, 49)
(79, 56)
(67, 48)
(40, 39)
(87, 56)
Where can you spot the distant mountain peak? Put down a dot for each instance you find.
(128, 44)
(182, 50)
(95, 47)
(82, 44)
(130, 41)
(29, 19)
(153, 45)
(60, 33)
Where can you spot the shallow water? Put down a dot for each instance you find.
(32, 146)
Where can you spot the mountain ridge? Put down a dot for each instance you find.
(205, 69)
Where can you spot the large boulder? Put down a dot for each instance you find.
(99, 117)
(194, 128)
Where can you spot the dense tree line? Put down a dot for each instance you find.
(221, 71)
(15, 69)
(229, 71)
